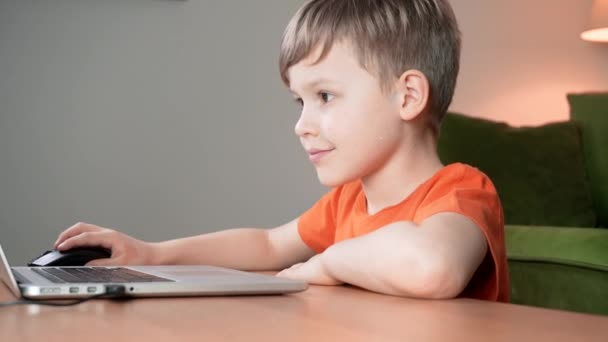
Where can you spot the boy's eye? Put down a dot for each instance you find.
(299, 101)
(326, 97)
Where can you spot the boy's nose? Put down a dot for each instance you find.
(307, 124)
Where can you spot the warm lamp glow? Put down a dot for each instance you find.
(598, 28)
(597, 35)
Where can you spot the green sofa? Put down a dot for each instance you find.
(553, 184)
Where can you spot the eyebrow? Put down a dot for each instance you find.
(314, 83)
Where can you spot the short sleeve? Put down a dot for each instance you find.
(473, 195)
(317, 226)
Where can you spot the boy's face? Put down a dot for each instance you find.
(348, 126)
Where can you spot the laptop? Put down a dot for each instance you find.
(139, 281)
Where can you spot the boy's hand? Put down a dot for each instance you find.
(313, 272)
(125, 249)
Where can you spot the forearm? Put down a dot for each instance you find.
(392, 260)
(243, 248)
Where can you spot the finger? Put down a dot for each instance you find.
(295, 266)
(294, 272)
(88, 239)
(293, 275)
(290, 268)
(74, 230)
(283, 274)
(285, 271)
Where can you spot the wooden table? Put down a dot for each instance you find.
(318, 314)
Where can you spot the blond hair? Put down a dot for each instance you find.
(389, 37)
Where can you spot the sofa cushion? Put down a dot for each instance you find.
(591, 111)
(558, 267)
(538, 171)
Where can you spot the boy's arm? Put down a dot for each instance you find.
(433, 260)
(250, 249)
(244, 248)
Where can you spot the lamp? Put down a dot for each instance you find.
(598, 28)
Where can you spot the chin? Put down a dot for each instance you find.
(333, 179)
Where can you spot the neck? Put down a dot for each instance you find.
(411, 165)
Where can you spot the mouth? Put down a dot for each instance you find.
(315, 155)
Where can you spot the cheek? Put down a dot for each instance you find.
(332, 124)
(361, 122)
(373, 122)
(345, 120)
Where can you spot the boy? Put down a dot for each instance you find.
(374, 79)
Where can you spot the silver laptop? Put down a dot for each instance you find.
(139, 281)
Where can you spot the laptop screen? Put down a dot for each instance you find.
(7, 276)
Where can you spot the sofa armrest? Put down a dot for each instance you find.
(577, 245)
(559, 268)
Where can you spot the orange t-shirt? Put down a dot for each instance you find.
(342, 214)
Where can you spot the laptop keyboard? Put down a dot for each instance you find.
(20, 278)
(95, 275)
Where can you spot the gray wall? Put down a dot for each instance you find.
(167, 118)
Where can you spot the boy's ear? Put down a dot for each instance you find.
(413, 94)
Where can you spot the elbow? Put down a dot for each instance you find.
(435, 279)
(442, 283)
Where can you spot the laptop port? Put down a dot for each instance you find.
(91, 289)
(74, 289)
